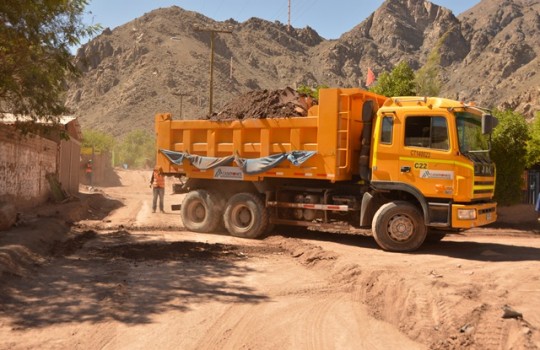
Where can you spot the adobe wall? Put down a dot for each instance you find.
(24, 164)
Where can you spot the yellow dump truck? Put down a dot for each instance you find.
(405, 167)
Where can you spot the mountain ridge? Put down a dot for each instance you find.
(489, 55)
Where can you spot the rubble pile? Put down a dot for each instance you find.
(260, 104)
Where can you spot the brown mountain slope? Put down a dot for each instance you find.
(136, 70)
(502, 67)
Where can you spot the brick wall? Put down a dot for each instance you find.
(24, 163)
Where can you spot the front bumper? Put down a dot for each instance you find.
(484, 214)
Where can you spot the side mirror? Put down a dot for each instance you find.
(489, 123)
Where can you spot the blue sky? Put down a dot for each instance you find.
(329, 18)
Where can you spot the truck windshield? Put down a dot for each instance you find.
(469, 128)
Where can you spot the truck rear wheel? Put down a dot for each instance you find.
(199, 212)
(245, 216)
(399, 227)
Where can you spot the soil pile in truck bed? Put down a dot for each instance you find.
(259, 104)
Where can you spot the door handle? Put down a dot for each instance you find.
(405, 169)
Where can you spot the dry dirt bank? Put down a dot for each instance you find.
(127, 278)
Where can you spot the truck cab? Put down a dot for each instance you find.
(436, 151)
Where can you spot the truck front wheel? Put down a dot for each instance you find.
(245, 216)
(399, 227)
(198, 212)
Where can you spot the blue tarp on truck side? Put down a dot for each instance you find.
(251, 166)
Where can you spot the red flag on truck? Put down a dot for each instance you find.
(370, 77)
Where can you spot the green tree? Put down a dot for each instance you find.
(509, 152)
(427, 78)
(309, 91)
(533, 146)
(137, 149)
(428, 82)
(35, 58)
(399, 82)
(99, 141)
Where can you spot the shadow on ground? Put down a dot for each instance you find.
(115, 277)
(469, 249)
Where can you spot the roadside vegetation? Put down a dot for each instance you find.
(135, 150)
(35, 42)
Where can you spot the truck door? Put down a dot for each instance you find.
(386, 149)
(426, 161)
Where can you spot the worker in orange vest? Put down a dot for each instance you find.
(157, 182)
(88, 172)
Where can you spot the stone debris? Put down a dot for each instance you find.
(509, 312)
(260, 104)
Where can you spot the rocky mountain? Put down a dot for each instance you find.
(160, 62)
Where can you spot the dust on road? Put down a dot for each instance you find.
(133, 279)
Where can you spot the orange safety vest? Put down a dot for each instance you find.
(159, 180)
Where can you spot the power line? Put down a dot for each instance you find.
(305, 8)
(243, 9)
(278, 13)
(218, 8)
(213, 33)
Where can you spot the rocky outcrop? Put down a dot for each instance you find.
(489, 55)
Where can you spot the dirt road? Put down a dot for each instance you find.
(136, 280)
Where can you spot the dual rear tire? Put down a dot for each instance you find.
(200, 211)
(243, 215)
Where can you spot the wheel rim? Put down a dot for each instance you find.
(197, 211)
(400, 228)
(242, 217)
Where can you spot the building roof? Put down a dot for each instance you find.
(70, 122)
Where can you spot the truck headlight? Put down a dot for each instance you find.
(466, 214)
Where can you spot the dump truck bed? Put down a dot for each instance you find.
(324, 145)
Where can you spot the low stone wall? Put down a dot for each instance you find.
(24, 164)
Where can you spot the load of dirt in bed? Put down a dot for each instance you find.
(260, 104)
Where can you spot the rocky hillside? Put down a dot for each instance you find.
(489, 55)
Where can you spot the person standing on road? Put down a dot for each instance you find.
(157, 182)
(88, 171)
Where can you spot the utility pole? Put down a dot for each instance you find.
(212, 35)
(181, 95)
(289, 15)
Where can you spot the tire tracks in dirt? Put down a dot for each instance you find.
(425, 309)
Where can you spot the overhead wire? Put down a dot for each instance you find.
(243, 9)
(217, 9)
(302, 10)
(281, 10)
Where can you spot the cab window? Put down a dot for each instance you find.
(387, 130)
(426, 132)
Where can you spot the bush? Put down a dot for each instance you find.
(137, 149)
(98, 141)
(533, 146)
(509, 152)
(309, 91)
(399, 82)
